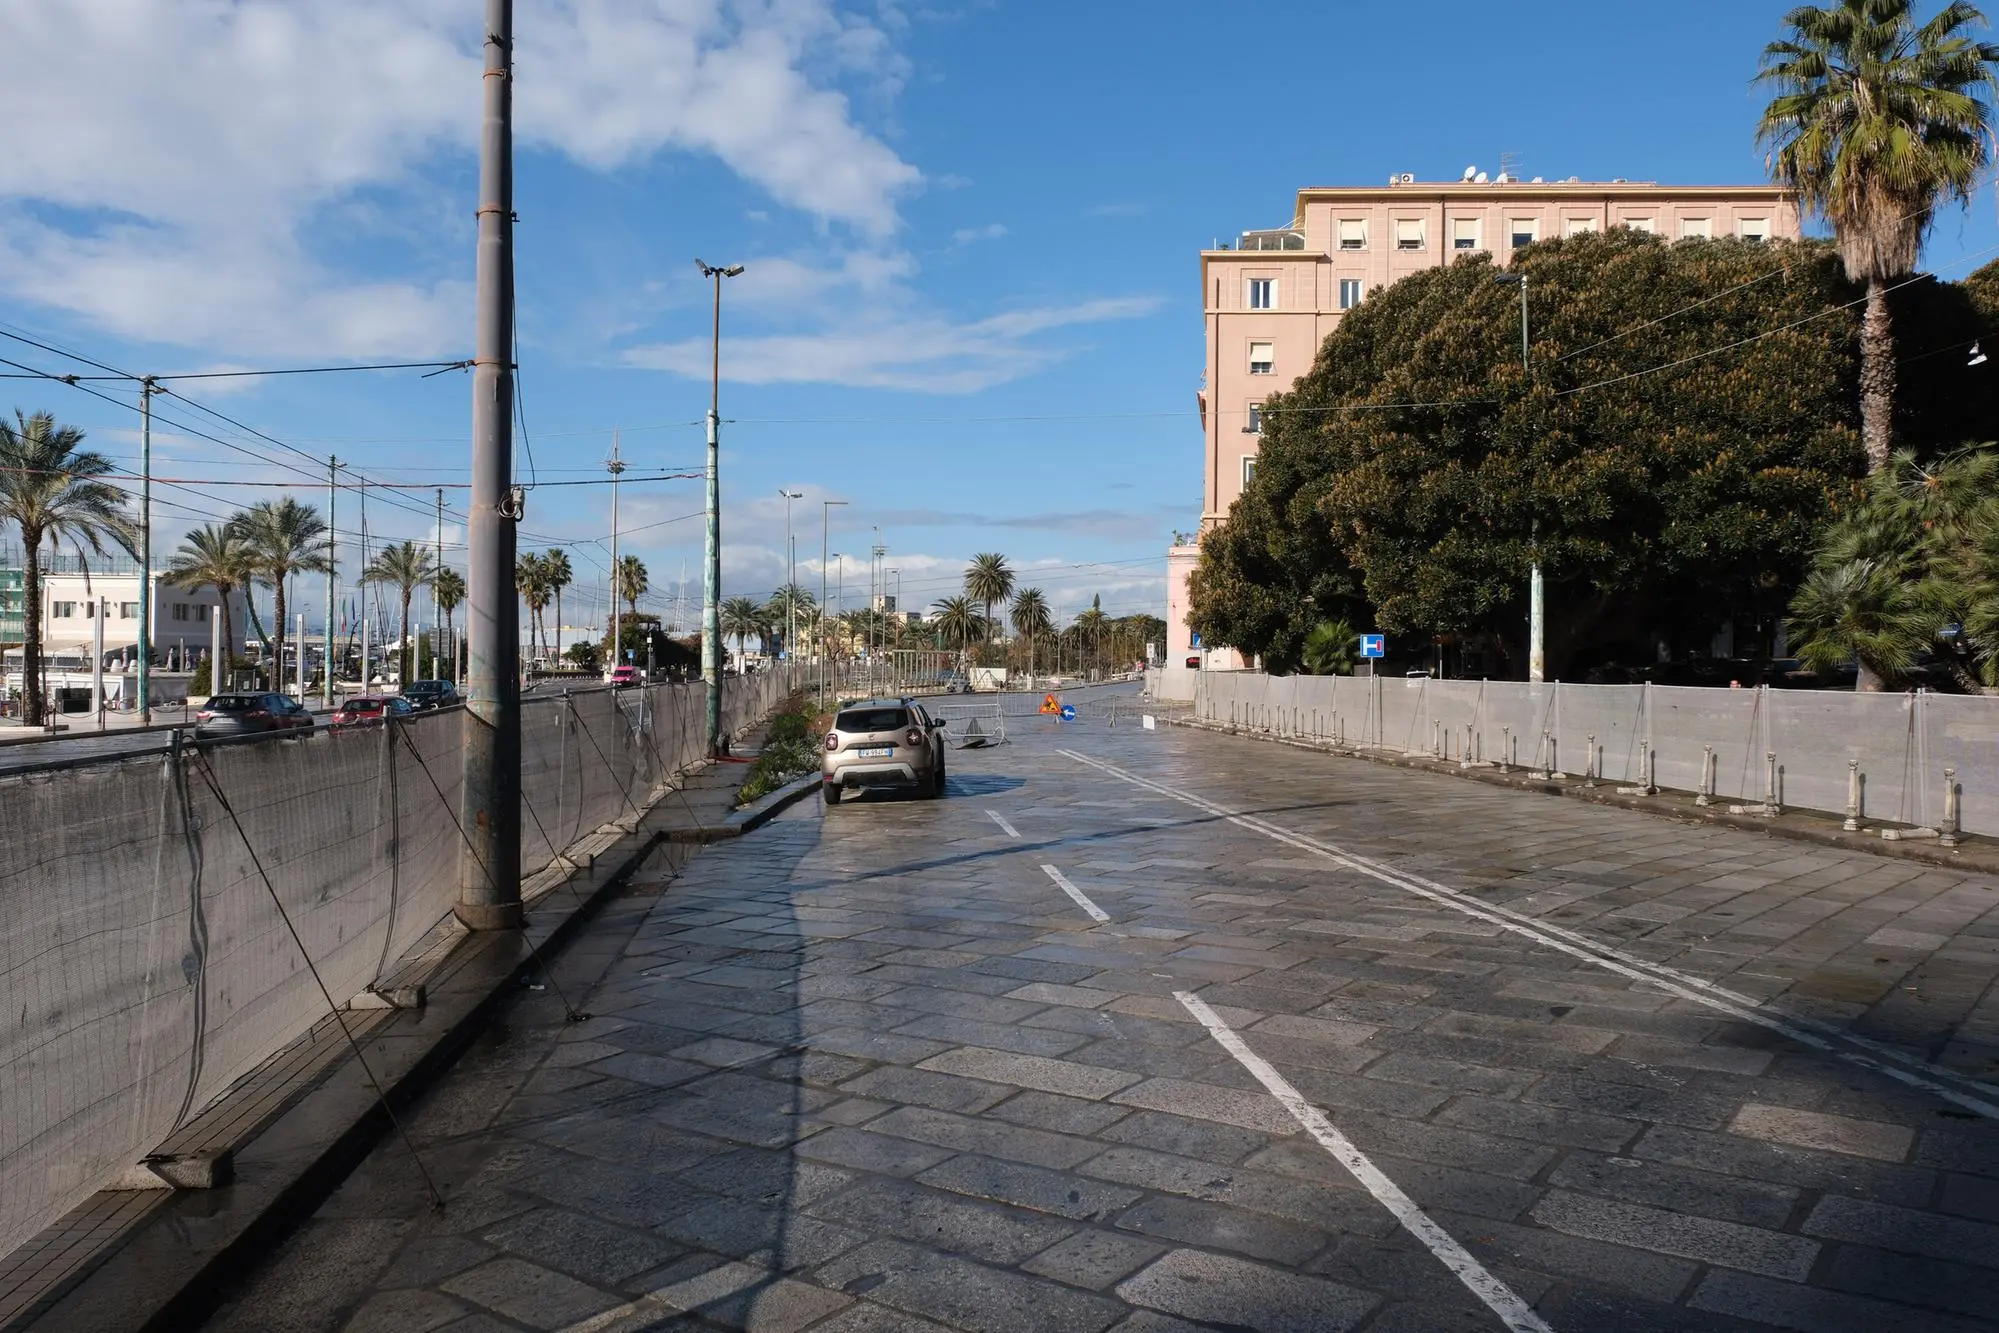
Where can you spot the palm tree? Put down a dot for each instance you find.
(1030, 618)
(560, 575)
(742, 617)
(632, 581)
(1090, 625)
(213, 556)
(1860, 612)
(531, 582)
(958, 618)
(449, 588)
(989, 579)
(409, 567)
(49, 489)
(1331, 648)
(1876, 121)
(790, 605)
(284, 538)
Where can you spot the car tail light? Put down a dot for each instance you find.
(258, 712)
(832, 741)
(913, 737)
(205, 715)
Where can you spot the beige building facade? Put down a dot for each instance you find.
(1270, 299)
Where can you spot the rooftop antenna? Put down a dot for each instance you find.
(1509, 165)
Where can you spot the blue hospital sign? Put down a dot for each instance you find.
(1373, 645)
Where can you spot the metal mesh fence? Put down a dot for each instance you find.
(1907, 747)
(150, 960)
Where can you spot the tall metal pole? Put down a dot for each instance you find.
(1537, 661)
(711, 580)
(146, 390)
(791, 576)
(616, 466)
(489, 876)
(332, 491)
(436, 609)
(825, 529)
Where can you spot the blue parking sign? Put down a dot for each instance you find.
(1373, 645)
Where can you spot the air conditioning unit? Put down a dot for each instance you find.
(1408, 178)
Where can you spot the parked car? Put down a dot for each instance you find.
(425, 695)
(249, 715)
(369, 712)
(626, 676)
(883, 743)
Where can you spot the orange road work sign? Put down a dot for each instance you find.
(1050, 704)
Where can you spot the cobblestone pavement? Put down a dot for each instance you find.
(1351, 1048)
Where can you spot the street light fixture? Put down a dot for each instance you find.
(711, 581)
(1536, 656)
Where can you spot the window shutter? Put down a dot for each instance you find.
(1353, 231)
(1465, 229)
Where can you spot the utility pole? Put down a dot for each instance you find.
(616, 466)
(711, 580)
(332, 491)
(489, 875)
(1536, 657)
(825, 528)
(147, 387)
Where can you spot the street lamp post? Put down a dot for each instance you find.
(1536, 655)
(791, 575)
(825, 528)
(711, 581)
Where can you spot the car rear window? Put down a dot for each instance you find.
(872, 719)
(233, 703)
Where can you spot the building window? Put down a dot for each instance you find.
(1579, 226)
(128, 610)
(1253, 422)
(1248, 472)
(1642, 225)
(180, 610)
(1262, 358)
(65, 611)
(1353, 233)
(1409, 233)
(1753, 229)
(1464, 233)
(1524, 231)
(1350, 293)
(88, 609)
(1263, 293)
(201, 612)
(1696, 229)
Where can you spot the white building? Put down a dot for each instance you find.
(183, 621)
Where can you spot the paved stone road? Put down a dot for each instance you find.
(876, 1069)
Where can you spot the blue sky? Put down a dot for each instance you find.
(971, 309)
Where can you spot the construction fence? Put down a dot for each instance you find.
(1805, 748)
(174, 920)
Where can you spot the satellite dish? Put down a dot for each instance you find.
(1481, 178)
(1471, 173)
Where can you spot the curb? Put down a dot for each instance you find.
(175, 1267)
(1974, 854)
(750, 817)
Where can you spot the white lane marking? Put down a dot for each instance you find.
(1000, 819)
(1806, 1032)
(1512, 1311)
(1096, 913)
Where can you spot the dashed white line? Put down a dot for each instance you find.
(1000, 819)
(1082, 900)
(1500, 1298)
(1805, 1031)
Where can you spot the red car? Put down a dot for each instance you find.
(369, 712)
(624, 676)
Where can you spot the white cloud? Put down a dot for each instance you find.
(181, 173)
(992, 231)
(926, 354)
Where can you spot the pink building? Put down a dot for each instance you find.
(1269, 302)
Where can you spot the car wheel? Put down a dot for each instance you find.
(830, 791)
(938, 783)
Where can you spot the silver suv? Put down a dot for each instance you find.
(887, 743)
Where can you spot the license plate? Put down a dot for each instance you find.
(876, 751)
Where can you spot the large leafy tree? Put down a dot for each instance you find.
(406, 567)
(958, 620)
(791, 605)
(1664, 485)
(531, 582)
(213, 556)
(560, 573)
(449, 589)
(989, 580)
(742, 619)
(632, 581)
(284, 538)
(1877, 120)
(51, 488)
